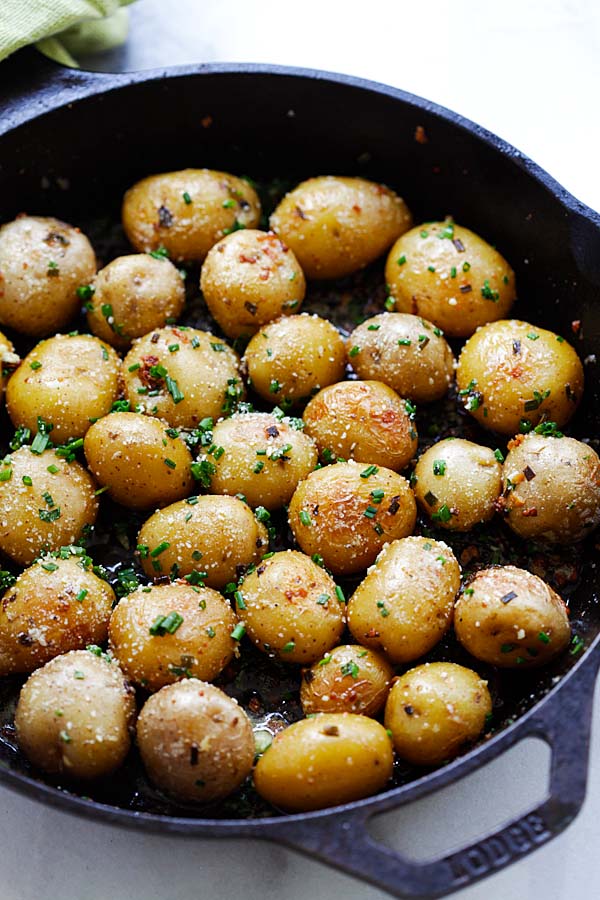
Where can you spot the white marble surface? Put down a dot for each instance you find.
(530, 72)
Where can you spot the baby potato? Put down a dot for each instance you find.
(69, 380)
(249, 278)
(133, 295)
(136, 459)
(259, 456)
(9, 360)
(46, 503)
(511, 618)
(458, 483)
(196, 743)
(330, 759)
(510, 373)
(188, 211)
(182, 375)
(336, 225)
(170, 631)
(350, 679)
(450, 276)
(74, 716)
(405, 352)
(293, 357)
(291, 608)
(434, 709)
(215, 535)
(347, 512)
(551, 488)
(54, 606)
(42, 263)
(404, 604)
(362, 420)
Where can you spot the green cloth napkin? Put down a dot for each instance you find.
(62, 28)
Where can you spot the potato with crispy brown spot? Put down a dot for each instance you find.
(434, 710)
(362, 420)
(138, 461)
(196, 743)
(511, 618)
(187, 211)
(74, 716)
(336, 225)
(347, 512)
(350, 679)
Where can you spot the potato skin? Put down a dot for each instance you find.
(214, 535)
(511, 371)
(249, 440)
(433, 709)
(551, 488)
(511, 618)
(349, 679)
(74, 716)
(333, 502)
(362, 420)
(155, 212)
(128, 453)
(196, 743)
(404, 605)
(405, 352)
(66, 379)
(23, 534)
(8, 360)
(464, 477)
(471, 283)
(204, 369)
(133, 295)
(290, 608)
(201, 646)
(330, 759)
(293, 357)
(249, 278)
(42, 263)
(336, 225)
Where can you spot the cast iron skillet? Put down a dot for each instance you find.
(97, 134)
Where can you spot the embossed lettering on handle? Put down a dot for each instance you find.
(496, 852)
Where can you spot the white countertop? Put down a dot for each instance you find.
(529, 72)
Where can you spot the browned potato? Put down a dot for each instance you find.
(350, 679)
(511, 374)
(136, 459)
(291, 608)
(45, 503)
(434, 710)
(404, 604)
(323, 761)
(336, 225)
(551, 488)
(291, 358)
(250, 278)
(346, 513)
(54, 606)
(182, 375)
(75, 715)
(458, 483)
(450, 276)
(196, 742)
(259, 456)
(188, 211)
(170, 631)
(214, 535)
(42, 263)
(133, 295)
(509, 617)
(405, 352)
(70, 380)
(9, 360)
(362, 420)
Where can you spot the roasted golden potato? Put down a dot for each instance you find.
(350, 679)
(9, 360)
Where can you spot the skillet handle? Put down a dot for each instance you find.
(344, 842)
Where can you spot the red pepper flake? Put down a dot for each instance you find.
(575, 326)
(421, 135)
(530, 512)
(206, 122)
